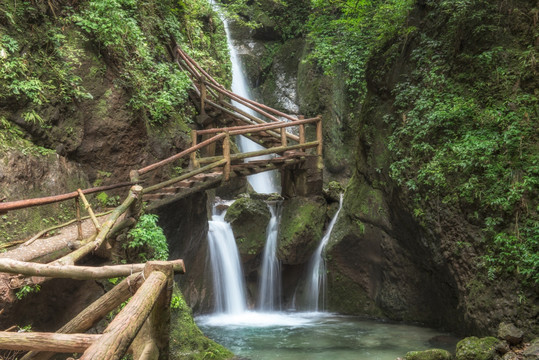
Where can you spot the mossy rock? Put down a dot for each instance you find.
(431, 354)
(473, 348)
(249, 219)
(187, 341)
(302, 225)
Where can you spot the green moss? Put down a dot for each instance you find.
(473, 348)
(432, 354)
(187, 342)
(363, 201)
(249, 219)
(301, 227)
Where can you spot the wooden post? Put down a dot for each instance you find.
(226, 154)
(203, 94)
(89, 209)
(319, 138)
(283, 137)
(134, 176)
(79, 222)
(194, 161)
(302, 131)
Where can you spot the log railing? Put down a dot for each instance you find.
(140, 323)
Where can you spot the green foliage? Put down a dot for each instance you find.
(345, 32)
(468, 138)
(147, 235)
(27, 290)
(108, 201)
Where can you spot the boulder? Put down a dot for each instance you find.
(473, 348)
(503, 347)
(301, 229)
(532, 351)
(510, 333)
(249, 219)
(431, 354)
(510, 356)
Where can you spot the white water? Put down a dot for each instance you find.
(228, 284)
(316, 281)
(270, 280)
(263, 183)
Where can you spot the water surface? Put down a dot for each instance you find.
(294, 336)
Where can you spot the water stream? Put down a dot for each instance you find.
(316, 281)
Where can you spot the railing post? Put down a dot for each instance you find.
(79, 222)
(226, 155)
(320, 142)
(301, 131)
(194, 161)
(203, 94)
(283, 136)
(89, 209)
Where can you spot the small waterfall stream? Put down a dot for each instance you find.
(228, 284)
(270, 280)
(316, 281)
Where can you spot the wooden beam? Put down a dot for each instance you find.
(117, 337)
(90, 316)
(60, 343)
(226, 155)
(76, 272)
(88, 208)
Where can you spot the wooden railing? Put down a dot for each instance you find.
(141, 327)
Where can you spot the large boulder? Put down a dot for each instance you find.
(431, 354)
(301, 229)
(510, 333)
(473, 348)
(249, 219)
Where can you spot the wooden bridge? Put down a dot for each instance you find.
(141, 327)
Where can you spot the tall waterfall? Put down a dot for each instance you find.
(264, 182)
(270, 280)
(228, 284)
(316, 281)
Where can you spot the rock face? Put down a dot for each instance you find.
(301, 229)
(249, 219)
(473, 348)
(432, 354)
(510, 333)
(532, 352)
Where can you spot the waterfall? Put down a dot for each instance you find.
(227, 273)
(263, 182)
(316, 281)
(270, 280)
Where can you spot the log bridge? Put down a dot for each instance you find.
(141, 327)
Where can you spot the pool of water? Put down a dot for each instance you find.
(259, 336)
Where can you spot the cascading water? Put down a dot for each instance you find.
(270, 280)
(316, 281)
(263, 183)
(228, 281)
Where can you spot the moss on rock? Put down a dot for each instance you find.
(186, 340)
(431, 354)
(301, 229)
(249, 219)
(473, 348)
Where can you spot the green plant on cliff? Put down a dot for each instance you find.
(466, 132)
(148, 236)
(345, 32)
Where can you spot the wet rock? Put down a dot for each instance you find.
(432, 354)
(301, 229)
(249, 219)
(510, 356)
(473, 348)
(532, 351)
(510, 333)
(502, 347)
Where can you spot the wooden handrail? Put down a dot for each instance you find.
(258, 126)
(21, 204)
